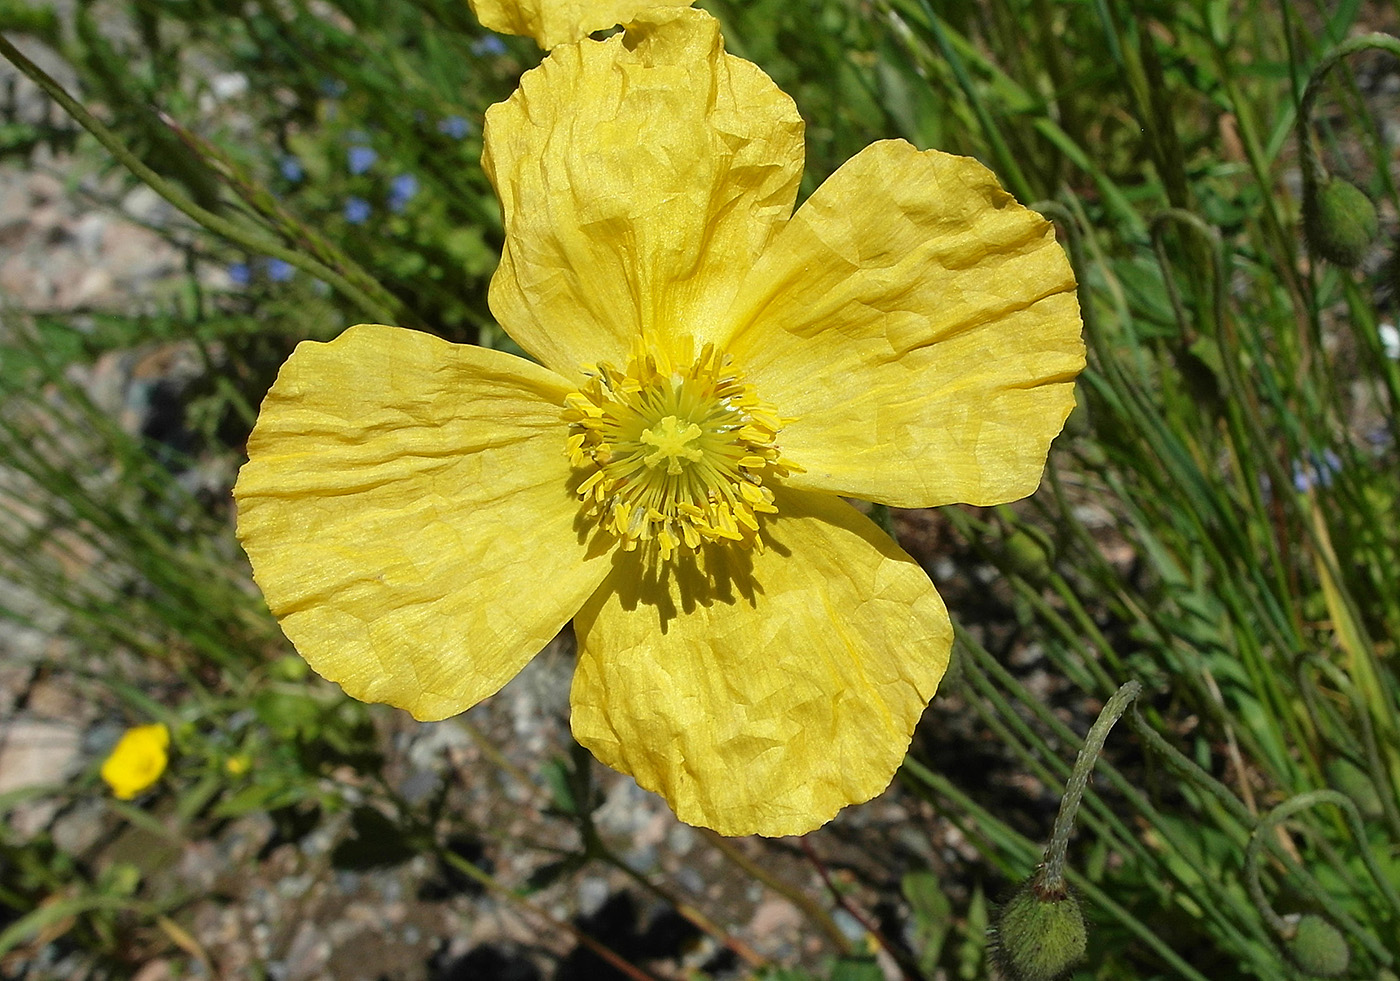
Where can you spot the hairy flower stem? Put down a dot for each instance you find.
(939, 789)
(595, 847)
(884, 517)
(688, 911)
(1314, 172)
(1053, 878)
(1183, 767)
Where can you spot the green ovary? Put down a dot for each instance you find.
(673, 444)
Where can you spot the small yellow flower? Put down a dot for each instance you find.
(715, 373)
(137, 760)
(555, 22)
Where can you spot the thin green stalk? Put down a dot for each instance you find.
(1086, 671)
(689, 911)
(1079, 779)
(1314, 171)
(948, 56)
(1007, 164)
(1185, 769)
(1218, 894)
(1285, 256)
(1263, 835)
(1002, 718)
(907, 967)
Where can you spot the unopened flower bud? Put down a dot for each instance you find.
(1340, 222)
(1029, 554)
(1319, 948)
(1038, 936)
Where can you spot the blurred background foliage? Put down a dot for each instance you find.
(1218, 522)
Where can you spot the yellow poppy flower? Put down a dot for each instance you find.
(555, 22)
(137, 760)
(715, 372)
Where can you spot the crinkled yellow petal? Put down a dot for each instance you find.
(552, 22)
(638, 178)
(406, 509)
(921, 327)
(767, 693)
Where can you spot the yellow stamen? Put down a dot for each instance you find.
(674, 452)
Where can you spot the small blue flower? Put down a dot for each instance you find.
(360, 158)
(454, 126)
(401, 191)
(490, 45)
(280, 270)
(291, 169)
(1317, 470)
(333, 88)
(240, 273)
(357, 210)
(1302, 477)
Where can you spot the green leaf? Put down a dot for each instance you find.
(53, 913)
(557, 778)
(972, 952)
(932, 913)
(857, 968)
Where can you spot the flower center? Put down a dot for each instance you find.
(674, 454)
(673, 444)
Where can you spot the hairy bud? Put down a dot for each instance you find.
(1038, 935)
(1319, 948)
(1340, 222)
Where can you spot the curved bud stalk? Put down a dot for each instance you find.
(1039, 933)
(1339, 220)
(1314, 942)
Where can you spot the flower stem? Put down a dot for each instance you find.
(1335, 910)
(1314, 172)
(627, 968)
(1054, 877)
(1183, 767)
